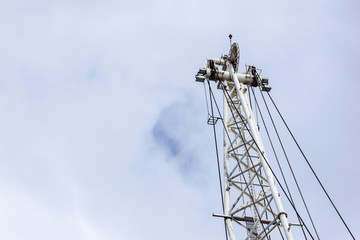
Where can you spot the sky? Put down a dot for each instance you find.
(103, 130)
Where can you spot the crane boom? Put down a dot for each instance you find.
(251, 198)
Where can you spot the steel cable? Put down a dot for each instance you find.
(289, 164)
(218, 160)
(312, 170)
(276, 157)
(293, 206)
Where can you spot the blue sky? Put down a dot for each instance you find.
(91, 91)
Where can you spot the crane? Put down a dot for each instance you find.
(252, 204)
(251, 199)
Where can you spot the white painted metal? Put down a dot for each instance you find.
(225, 75)
(228, 221)
(241, 89)
(251, 199)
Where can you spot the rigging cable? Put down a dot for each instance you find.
(206, 98)
(217, 158)
(289, 164)
(257, 122)
(276, 157)
(308, 163)
(293, 206)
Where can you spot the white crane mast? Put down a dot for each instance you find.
(251, 198)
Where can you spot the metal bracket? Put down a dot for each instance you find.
(212, 120)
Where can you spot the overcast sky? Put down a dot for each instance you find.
(103, 130)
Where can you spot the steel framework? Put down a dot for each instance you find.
(251, 198)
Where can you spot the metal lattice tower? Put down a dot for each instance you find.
(251, 199)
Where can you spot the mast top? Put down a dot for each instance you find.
(230, 64)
